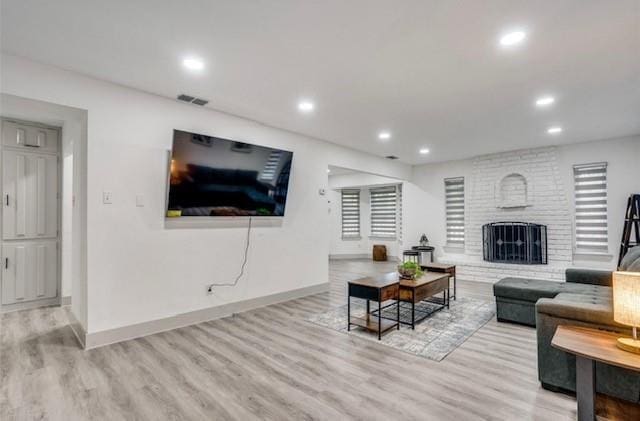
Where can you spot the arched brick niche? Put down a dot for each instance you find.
(512, 191)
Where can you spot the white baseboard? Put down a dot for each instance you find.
(78, 330)
(7, 308)
(349, 256)
(110, 336)
(358, 256)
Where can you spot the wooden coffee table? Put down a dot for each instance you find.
(378, 288)
(443, 267)
(424, 288)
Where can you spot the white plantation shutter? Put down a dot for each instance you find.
(383, 211)
(454, 203)
(350, 213)
(400, 212)
(590, 184)
(270, 168)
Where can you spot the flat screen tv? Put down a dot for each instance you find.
(210, 176)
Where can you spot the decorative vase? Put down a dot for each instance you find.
(406, 273)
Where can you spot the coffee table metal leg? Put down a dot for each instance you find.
(379, 318)
(398, 312)
(413, 313)
(348, 313)
(586, 388)
(455, 281)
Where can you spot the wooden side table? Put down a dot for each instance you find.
(444, 268)
(379, 288)
(589, 346)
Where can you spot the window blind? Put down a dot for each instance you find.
(400, 212)
(590, 186)
(383, 211)
(350, 213)
(454, 210)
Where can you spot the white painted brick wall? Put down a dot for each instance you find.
(548, 205)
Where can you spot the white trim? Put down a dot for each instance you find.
(119, 334)
(29, 305)
(77, 328)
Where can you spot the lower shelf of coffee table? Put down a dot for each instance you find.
(371, 323)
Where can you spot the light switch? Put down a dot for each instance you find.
(140, 200)
(107, 197)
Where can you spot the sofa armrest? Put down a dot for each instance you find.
(589, 276)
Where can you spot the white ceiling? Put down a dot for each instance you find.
(429, 71)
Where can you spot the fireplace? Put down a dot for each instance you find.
(515, 242)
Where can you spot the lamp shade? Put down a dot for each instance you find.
(626, 298)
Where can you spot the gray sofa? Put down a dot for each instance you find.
(585, 299)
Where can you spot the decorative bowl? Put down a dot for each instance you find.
(406, 273)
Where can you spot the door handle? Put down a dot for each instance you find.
(6, 263)
(7, 199)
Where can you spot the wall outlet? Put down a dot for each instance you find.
(107, 197)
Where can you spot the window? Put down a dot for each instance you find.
(400, 213)
(383, 211)
(454, 210)
(350, 213)
(590, 184)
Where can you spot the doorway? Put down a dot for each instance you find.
(30, 213)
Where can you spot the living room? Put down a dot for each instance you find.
(463, 174)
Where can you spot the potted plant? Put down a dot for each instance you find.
(409, 270)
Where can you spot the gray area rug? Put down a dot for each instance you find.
(434, 338)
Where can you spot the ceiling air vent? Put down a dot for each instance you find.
(192, 99)
(391, 157)
(185, 98)
(200, 101)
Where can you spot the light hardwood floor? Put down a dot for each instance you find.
(270, 364)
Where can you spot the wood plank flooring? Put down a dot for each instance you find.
(269, 364)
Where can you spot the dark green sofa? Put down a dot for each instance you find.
(585, 299)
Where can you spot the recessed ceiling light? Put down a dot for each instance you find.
(328, 170)
(424, 151)
(545, 100)
(384, 135)
(306, 106)
(554, 130)
(512, 38)
(193, 63)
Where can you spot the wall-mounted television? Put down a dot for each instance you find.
(211, 176)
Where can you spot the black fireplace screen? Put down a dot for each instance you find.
(515, 242)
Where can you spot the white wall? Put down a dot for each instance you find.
(139, 271)
(621, 154)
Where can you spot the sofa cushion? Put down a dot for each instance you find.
(533, 289)
(632, 255)
(634, 266)
(588, 308)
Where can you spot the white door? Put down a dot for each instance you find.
(30, 190)
(29, 265)
(29, 271)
